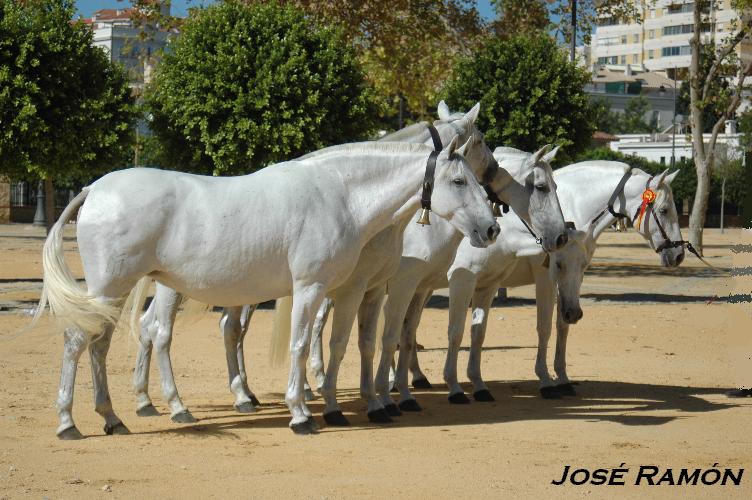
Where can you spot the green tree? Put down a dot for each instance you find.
(530, 94)
(249, 84)
(631, 121)
(66, 111)
(520, 16)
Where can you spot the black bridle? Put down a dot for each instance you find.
(667, 242)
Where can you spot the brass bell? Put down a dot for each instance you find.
(496, 209)
(424, 220)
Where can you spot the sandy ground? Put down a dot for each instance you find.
(654, 353)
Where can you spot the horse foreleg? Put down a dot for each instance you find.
(420, 381)
(75, 344)
(395, 309)
(344, 315)
(144, 405)
(245, 321)
(230, 325)
(368, 319)
(482, 300)
(461, 288)
(406, 348)
(564, 385)
(167, 303)
(545, 297)
(98, 349)
(306, 302)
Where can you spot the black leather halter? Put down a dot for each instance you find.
(428, 179)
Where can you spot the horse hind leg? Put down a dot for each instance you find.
(144, 405)
(75, 345)
(98, 349)
(231, 327)
(245, 320)
(316, 359)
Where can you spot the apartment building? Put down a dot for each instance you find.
(661, 41)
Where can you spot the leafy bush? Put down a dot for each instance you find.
(249, 83)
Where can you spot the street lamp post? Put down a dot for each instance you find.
(673, 128)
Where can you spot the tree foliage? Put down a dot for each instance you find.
(631, 121)
(66, 111)
(407, 46)
(249, 84)
(530, 94)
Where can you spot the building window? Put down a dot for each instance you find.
(683, 29)
(624, 39)
(679, 8)
(623, 59)
(663, 160)
(652, 13)
(635, 58)
(651, 54)
(608, 60)
(683, 50)
(636, 38)
(651, 34)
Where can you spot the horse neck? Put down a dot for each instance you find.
(582, 206)
(420, 135)
(381, 188)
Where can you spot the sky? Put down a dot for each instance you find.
(180, 7)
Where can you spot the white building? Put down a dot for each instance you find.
(661, 41)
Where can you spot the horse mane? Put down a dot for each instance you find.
(595, 165)
(405, 133)
(368, 146)
(507, 150)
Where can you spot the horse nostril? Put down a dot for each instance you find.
(680, 258)
(493, 231)
(562, 240)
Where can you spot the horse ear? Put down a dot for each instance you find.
(443, 111)
(452, 147)
(549, 157)
(469, 143)
(472, 115)
(658, 179)
(539, 154)
(670, 177)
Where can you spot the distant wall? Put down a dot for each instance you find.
(4, 201)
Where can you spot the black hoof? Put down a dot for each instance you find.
(410, 405)
(147, 411)
(246, 407)
(550, 392)
(459, 398)
(422, 383)
(392, 410)
(184, 417)
(118, 429)
(379, 416)
(483, 396)
(566, 389)
(255, 401)
(336, 419)
(70, 434)
(308, 427)
(394, 389)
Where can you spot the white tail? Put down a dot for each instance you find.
(134, 304)
(69, 301)
(280, 346)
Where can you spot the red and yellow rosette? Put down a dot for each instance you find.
(648, 197)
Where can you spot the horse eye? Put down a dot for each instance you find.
(663, 211)
(542, 187)
(559, 266)
(459, 182)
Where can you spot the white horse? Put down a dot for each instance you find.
(426, 257)
(296, 228)
(362, 293)
(516, 260)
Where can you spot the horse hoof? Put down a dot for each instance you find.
(255, 401)
(566, 389)
(422, 383)
(70, 434)
(410, 405)
(309, 395)
(304, 428)
(336, 419)
(394, 389)
(392, 410)
(459, 398)
(550, 392)
(184, 417)
(379, 416)
(246, 407)
(483, 396)
(119, 429)
(147, 411)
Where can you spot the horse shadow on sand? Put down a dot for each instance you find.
(627, 404)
